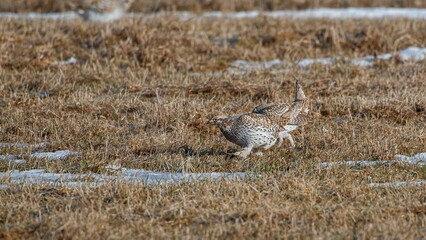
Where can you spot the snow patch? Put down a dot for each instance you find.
(317, 13)
(243, 67)
(149, 177)
(357, 163)
(17, 161)
(398, 184)
(103, 17)
(330, 13)
(8, 157)
(413, 53)
(418, 159)
(40, 177)
(43, 16)
(242, 64)
(23, 145)
(13, 159)
(58, 155)
(71, 60)
(307, 62)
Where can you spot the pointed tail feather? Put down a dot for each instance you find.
(299, 115)
(300, 95)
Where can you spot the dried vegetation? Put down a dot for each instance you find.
(132, 99)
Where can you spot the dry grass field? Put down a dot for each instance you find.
(133, 99)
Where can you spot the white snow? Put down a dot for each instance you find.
(398, 184)
(41, 177)
(46, 16)
(113, 167)
(58, 155)
(243, 67)
(331, 13)
(8, 157)
(242, 64)
(175, 177)
(317, 13)
(92, 16)
(71, 60)
(418, 159)
(105, 17)
(307, 62)
(13, 159)
(413, 53)
(357, 163)
(17, 161)
(364, 62)
(23, 145)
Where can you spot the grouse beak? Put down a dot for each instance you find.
(211, 121)
(216, 121)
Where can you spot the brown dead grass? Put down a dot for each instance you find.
(132, 100)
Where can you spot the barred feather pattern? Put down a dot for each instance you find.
(248, 130)
(285, 113)
(266, 124)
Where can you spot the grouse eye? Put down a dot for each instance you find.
(225, 123)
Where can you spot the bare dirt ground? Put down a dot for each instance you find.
(132, 99)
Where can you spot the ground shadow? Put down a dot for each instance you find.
(186, 151)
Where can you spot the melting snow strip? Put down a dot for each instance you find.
(40, 177)
(398, 184)
(71, 60)
(17, 161)
(23, 145)
(242, 67)
(317, 13)
(418, 159)
(44, 16)
(13, 159)
(357, 163)
(58, 155)
(329, 13)
(256, 65)
(149, 177)
(413, 53)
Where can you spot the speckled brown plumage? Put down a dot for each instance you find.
(288, 115)
(251, 131)
(261, 128)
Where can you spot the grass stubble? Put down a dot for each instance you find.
(132, 100)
